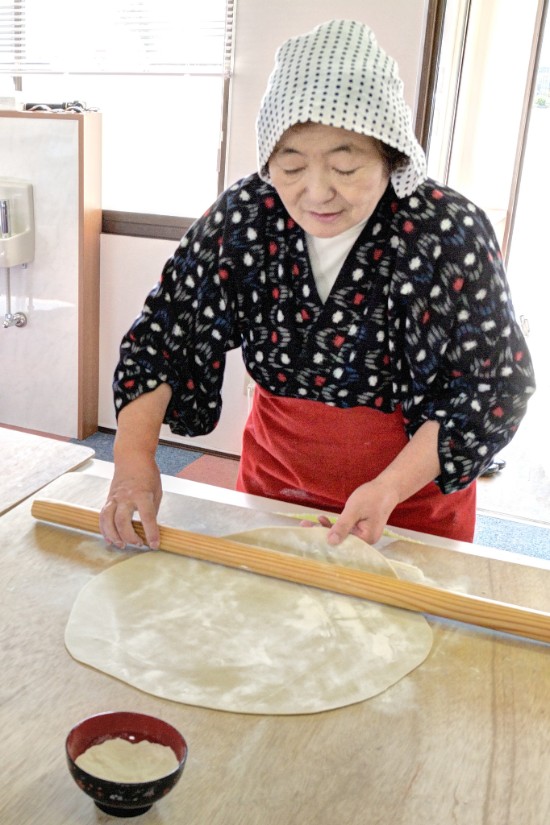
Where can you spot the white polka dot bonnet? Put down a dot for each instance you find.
(338, 75)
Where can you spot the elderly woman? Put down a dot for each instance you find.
(370, 305)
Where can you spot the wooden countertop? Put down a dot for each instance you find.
(463, 740)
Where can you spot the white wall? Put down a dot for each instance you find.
(131, 266)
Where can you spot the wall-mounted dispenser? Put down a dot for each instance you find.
(16, 223)
(16, 236)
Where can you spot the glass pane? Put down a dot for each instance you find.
(446, 89)
(476, 126)
(529, 257)
(120, 35)
(161, 136)
(528, 268)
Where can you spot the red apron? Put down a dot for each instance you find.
(310, 453)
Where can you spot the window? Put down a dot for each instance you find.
(453, 24)
(157, 70)
(478, 116)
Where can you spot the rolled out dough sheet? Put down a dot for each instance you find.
(211, 636)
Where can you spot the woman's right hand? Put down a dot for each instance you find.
(136, 484)
(136, 487)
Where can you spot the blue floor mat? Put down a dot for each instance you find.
(171, 460)
(516, 536)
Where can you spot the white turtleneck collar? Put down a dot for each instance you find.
(327, 256)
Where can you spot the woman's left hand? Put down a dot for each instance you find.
(369, 507)
(365, 514)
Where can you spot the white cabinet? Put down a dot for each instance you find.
(49, 368)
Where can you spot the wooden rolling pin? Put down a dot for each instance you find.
(509, 618)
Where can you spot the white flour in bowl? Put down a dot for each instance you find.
(119, 760)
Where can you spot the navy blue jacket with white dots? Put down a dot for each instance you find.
(420, 316)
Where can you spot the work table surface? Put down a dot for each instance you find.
(463, 740)
(31, 461)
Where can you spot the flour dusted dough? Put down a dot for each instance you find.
(207, 635)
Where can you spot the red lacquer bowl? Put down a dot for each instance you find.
(124, 798)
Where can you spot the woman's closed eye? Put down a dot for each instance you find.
(346, 172)
(343, 172)
(295, 171)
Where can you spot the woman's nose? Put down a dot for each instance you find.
(319, 187)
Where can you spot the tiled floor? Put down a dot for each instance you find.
(212, 469)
